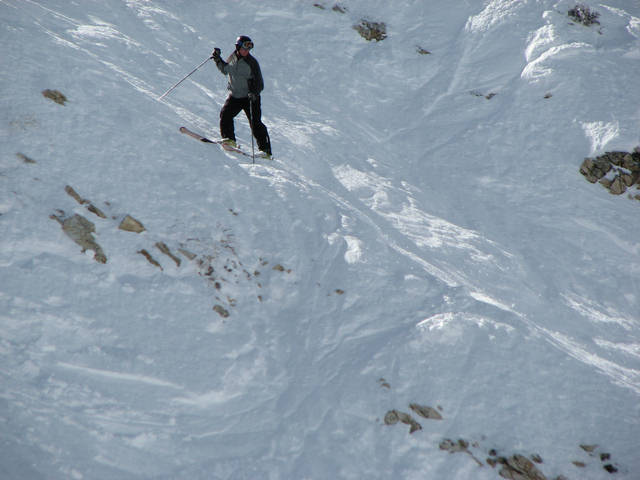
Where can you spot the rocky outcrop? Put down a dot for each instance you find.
(616, 171)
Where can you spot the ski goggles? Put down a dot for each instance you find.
(248, 45)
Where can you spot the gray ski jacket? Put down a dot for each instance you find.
(244, 75)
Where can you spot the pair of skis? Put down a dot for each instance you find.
(225, 146)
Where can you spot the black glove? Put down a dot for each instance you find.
(216, 55)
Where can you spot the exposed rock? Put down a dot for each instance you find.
(187, 253)
(371, 30)
(220, 310)
(80, 230)
(24, 158)
(422, 51)
(384, 383)
(55, 95)
(624, 168)
(90, 206)
(164, 249)
(594, 169)
(610, 468)
(488, 96)
(280, 268)
(425, 411)
(149, 258)
(460, 446)
(582, 14)
(130, 224)
(618, 186)
(394, 416)
(391, 417)
(519, 467)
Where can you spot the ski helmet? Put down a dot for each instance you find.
(244, 42)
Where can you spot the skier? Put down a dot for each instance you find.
(245, 85)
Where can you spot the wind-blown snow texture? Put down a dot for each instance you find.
(429, 236)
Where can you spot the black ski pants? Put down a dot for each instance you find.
(231, 108)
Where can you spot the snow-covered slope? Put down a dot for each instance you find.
(423, 237)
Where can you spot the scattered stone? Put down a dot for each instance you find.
(548, 95)
(519, 467)
(80, 230)
(151, 260)
(605, 456)
(422, 51)
(130, 224)
(579, 464)
(339, 291)
(425, 411)
(187, 253)
(72, 193)
(318, 5)
(90, 206)
(24, 158)
(391, 417)
(588, 448)
(460, 446)
(96, 211)
(394, 416)
(488, 96)
(371, 30)
(164, 249)
(55, 95)
(339, 8)
(280, 268)
(220, 310)
(610, 468)
(536, 458)
(384, 383)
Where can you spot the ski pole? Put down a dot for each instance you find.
(183, 79)
(253, 152)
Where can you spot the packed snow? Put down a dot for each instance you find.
(422, 236)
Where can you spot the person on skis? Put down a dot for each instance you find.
(245, 85)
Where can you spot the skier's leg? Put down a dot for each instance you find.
(230, 109)
(259, 129)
